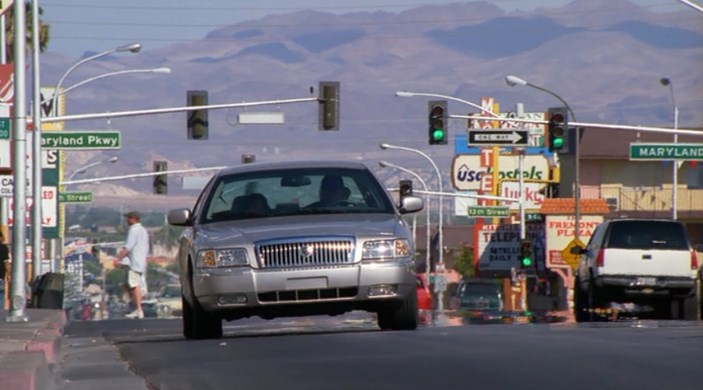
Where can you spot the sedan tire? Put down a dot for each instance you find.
(403, 316)
(199, 324)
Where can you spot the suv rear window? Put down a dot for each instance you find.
(647, 235)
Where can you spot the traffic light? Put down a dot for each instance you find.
(161, 181)
(328, 117)
(248, 158)
(558, 129)
(406, 188)
(437, 120)
(525, 253)
(197, 119)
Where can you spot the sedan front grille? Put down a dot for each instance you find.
(308, 253)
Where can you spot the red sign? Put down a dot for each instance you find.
(7, 83)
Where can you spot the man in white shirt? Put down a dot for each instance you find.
(133, 257)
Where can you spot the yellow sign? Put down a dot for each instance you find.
(572, 259)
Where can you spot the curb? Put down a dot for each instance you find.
(31, 350)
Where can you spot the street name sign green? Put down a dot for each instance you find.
(75, 197)
(4, 128)
(81, 140)
(666, 151)
(488, 211)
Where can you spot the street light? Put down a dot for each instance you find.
(162, 70)
(513, 81)
(440, 227)
(456, 99)
(132, 48)
(84, 168)
(666, 82)
(386, 164)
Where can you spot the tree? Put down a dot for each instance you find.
(464, 262)
(10, 31)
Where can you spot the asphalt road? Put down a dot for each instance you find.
(351, 353)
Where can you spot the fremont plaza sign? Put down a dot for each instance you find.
(666, 151)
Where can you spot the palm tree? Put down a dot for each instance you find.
(10, 31)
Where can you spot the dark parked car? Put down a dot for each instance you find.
(480, 295)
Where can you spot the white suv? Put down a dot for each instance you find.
(648, 261)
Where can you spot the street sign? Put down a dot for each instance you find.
(488, 211)
(499, 137)
(75, 197)
(570, 258)
(4, 128)
(666, 151)
(260, 118)
(82, 140)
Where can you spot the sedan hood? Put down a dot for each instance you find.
(258, 229)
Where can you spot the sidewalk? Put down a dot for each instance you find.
(29, 350)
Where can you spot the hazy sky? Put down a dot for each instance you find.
(78, 26)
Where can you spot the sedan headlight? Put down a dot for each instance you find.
(385, 249)
(220, 258)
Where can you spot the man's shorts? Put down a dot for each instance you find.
(135, 279)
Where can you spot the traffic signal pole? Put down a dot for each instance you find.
(154, 111)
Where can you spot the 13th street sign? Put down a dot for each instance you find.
(666, 151)
(498, 137)
(82, 140)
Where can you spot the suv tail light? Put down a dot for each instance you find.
(694, 260)
(600, 260)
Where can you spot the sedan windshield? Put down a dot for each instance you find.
(285, 192)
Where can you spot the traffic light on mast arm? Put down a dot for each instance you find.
(328, 116)
(160, 181)
(437, 121)
(558, 129)
(197, 119)
(526, 254)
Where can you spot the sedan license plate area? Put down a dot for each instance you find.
(646, 281)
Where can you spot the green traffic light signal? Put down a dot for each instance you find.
(437, 119)
(438, 135)
(525, 253)
(556, 128)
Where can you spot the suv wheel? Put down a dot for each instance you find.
(688, 307)
(403, 316)
(593, 299)
(580, 303)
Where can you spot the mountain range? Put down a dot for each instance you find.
(604, 57)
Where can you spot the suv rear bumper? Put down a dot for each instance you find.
(648, 285)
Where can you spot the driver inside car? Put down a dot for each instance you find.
(332, 190)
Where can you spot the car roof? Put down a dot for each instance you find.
(267, 166)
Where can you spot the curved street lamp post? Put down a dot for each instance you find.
(387, 164)
(513, 81)
(85, 168)
(440, 260)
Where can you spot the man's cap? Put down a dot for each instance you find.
(132, 214)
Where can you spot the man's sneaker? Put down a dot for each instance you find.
(135, 314)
